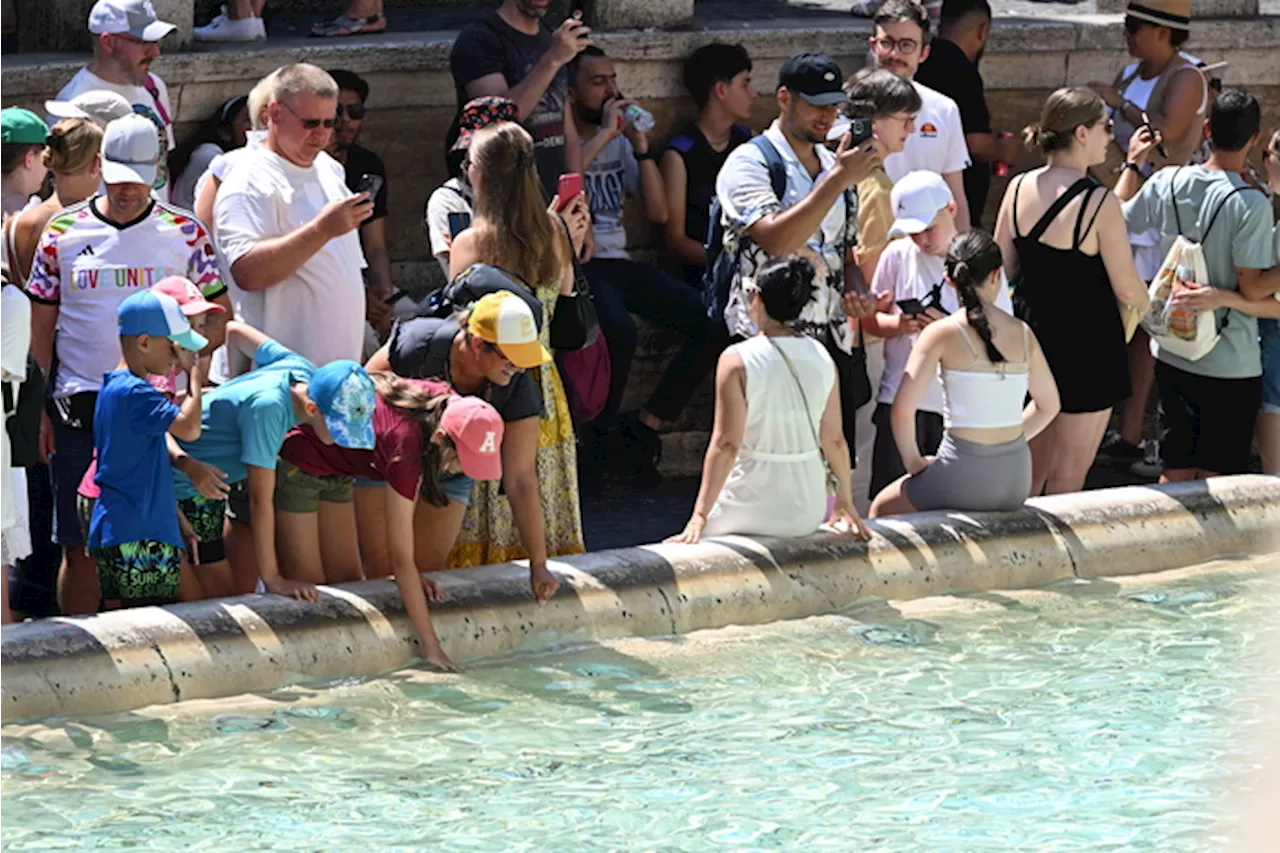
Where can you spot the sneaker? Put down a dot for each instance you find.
(1117, 449)
(222, 29)
(1150, 465)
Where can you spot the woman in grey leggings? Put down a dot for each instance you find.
(988, 361)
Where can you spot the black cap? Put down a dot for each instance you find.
(816, 77)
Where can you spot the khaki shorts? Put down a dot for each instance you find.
(298, 491)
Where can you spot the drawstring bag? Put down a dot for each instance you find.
(587, 373)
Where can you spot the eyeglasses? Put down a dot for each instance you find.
(888, 44)
(132, 39)
(355, 112)
(310, 123)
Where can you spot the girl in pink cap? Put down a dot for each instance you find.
(430, 444)
(197, 310)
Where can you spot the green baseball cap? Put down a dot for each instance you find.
(22, 127)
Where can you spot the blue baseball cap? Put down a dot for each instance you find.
(160, 316)
(343, 392)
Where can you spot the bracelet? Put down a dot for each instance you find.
(648, 155)
(1131, 165)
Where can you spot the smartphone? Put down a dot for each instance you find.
(371, 184)
(1146, 122)
(911, 307)
(569, 186)
(859, 130)
(458, 222)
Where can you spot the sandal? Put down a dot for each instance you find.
(346, 26)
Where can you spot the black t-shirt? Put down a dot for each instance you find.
(701, 165)
(950, 72)
(491, 46)
(419, 349)
(361, 161)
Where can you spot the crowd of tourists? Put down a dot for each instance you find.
(213, 387)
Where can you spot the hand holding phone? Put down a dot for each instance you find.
(371, 184)
(911, 307)
(569, 185)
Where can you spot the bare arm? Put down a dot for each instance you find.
(380, 360)
(568, 40)
(262, 519)
(205, 199)
(463, 252)
(1045, 403)
(1257, 285)
(726, 440)
(651, 189)
(1004, 231)
(675, 181)
(273, 260)
(836, 451)
(399, 518)
(215, 324)
(1117, 257)
(922, 366)
(187, 425)
(243, 338)
(373, 239)
(44, 322)
(987, 148)
(955, 180)
(520, 479)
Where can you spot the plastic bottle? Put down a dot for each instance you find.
(639, 118)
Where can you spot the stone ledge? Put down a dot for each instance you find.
(130, 659)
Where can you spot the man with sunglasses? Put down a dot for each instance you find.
(286, 224)
(353, 91)
(900, 44)
(126, 40)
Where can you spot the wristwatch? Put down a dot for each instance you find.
(648, 155)
(1131, 165)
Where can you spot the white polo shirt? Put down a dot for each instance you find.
(937, 145)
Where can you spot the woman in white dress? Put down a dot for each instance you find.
(777, 418)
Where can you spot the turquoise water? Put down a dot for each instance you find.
(1100, 718)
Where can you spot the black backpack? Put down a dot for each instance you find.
(22, 414)
(722, 265)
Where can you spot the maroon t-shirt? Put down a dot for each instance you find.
(396, 457)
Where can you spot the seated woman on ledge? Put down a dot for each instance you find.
(984, 462)
(777, 417)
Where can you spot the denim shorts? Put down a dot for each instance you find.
(457, 487)
(1269, 334)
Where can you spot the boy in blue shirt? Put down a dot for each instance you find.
(244, 423)
(133, 533)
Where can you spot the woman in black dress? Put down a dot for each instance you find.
(1065, 244)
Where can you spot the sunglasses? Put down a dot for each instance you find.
(493, 348)
(355, 112)
(311, 123)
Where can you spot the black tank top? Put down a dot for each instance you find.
(701, 165)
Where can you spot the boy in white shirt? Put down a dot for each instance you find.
(910, 272)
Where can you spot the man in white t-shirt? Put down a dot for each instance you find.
(910, 272)
(900, 44)
(93, 256)
(126, 40)
(286, 225)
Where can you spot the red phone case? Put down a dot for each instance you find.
(569, 186)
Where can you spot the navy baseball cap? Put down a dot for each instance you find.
(814, 76)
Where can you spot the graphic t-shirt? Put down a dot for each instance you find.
(491, 46)
(937, 145)
(908, 272)
(153, 105)
(609, 179)
(245, 420)
(319, 310)
(396, 458)
(87, 266)
(137, 501)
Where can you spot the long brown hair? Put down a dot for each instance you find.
(1064, 111)
(427, 409)
(513, 229)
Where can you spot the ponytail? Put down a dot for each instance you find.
(971, 258)
(427, 409)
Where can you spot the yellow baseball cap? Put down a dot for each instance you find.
(504, 320)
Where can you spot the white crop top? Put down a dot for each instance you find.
(985, 399)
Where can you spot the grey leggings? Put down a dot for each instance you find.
(966, 475)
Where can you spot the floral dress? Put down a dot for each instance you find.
(489, 533)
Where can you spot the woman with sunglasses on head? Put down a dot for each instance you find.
(1064, 236)
(226, 130)
(428, 444)
(1167, 87)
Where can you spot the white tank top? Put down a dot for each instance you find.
(985, 399)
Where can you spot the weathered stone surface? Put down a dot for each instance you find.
(638, 14)
(129, 659)
(63, 25)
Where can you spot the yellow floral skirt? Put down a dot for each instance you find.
(489, 533)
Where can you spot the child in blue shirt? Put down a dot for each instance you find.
(133, 533)
(244, 423)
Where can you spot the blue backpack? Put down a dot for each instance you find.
(722, 265)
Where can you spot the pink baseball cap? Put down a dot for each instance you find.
(476, 430)
(187, 295)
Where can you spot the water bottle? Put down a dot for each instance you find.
(639, 118)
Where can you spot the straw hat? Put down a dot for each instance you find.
(1175, 14)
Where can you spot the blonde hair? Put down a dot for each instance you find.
(1064, 111)
(260, 97)
(513, 229)
(294, 80)
(72, 147)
